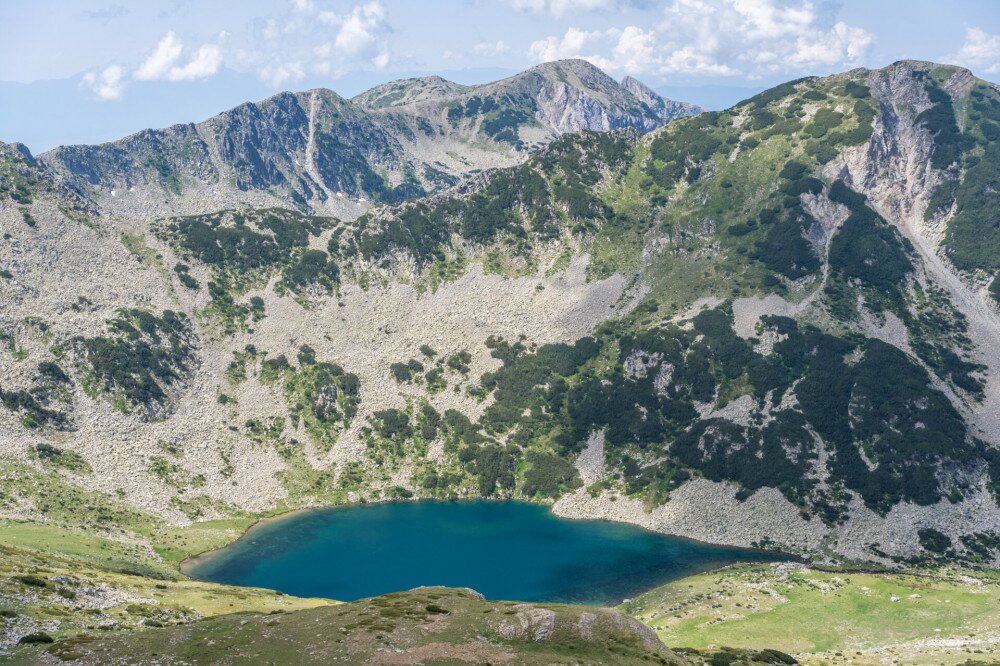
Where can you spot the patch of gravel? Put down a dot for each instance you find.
(706, 511)
(591, 462)
(897, 532)
(380, 326)
(585, 625)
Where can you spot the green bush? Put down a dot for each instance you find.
(32, 581)
(949, 142)
(933, 540)
(459, 361)
(65, 459)
(405, 373)
(549, 476)
(142, 356)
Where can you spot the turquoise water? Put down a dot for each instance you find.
(504, 550)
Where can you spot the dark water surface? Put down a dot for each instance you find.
(505, 550)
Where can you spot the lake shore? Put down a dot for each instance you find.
(191, 561)
(504, 549)
(569, 507)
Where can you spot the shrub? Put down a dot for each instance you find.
(949, 142)
(459, 361)
(52, 455)
(32, 580)
(549, 476)
(933, 540)
(405, 373)
(185, 277)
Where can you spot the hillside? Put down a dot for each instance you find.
(315, 151)
(823, 617)
(425, 625)
(773, 325)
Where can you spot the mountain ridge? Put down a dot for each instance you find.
(326, 153)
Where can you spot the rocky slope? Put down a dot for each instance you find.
(315, 151)
(768, 325)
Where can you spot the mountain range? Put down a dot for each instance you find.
(775, 325)
(318, 152)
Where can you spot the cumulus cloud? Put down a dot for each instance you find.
(841, 44)
(158, 63)
(753, 38)
(360, 32)
(164, 63)
(108, 84)
(981, 51)
(204, 63)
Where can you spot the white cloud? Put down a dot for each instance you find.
(108, 84)
(164, 62)
(842, 43)
(490, 49)
(571, 45)
(277, 75)
(204, 63)
(360, 32)
(163, 57)
(753, 38)
(981, 51)
(321, 41)
(560, 8)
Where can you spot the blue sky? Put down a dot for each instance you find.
(93, 70)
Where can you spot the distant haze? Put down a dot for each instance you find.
(711, 97)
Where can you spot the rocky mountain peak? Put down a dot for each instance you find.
(408, 91)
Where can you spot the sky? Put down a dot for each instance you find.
(92, 70)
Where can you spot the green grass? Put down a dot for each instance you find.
(812, 611)
(46, 573)
(84, 547)
(136, 245)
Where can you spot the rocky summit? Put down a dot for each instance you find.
(775, 325)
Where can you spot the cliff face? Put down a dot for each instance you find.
(900, 170)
